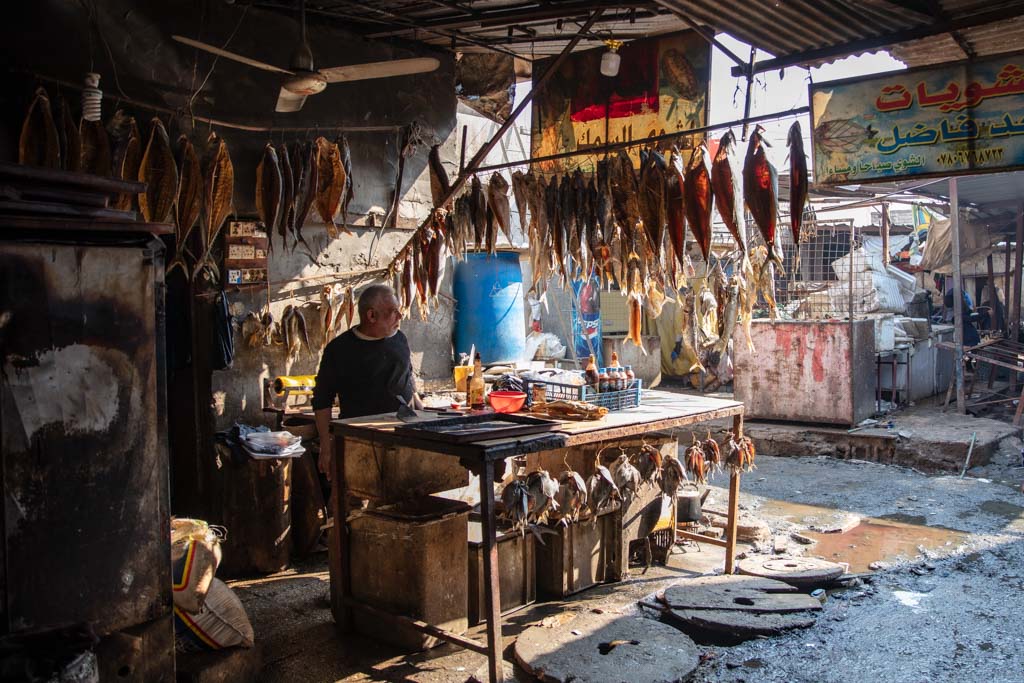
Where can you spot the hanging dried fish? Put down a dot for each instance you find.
(761, 192)
(348, 187)
(127, 157)
(543, 492)
(726, 185)
(699, 201)
(189, 203)
(95, 156)
(652, 195)
(218, 194)
(649, 464)
(497, 202)
(675, 206)
(440, 187)
(690, 331)
(330, 186)
(741, 454)
(286, 219)
(306, 186)
(601, 491)
(712, 453)
(626, 477)
(515, 499)
(70, 140)
(798, 187)
(571, 498)
(39, 144)
(158, 170)
(696, 464)
(672, 475)
(478, 206)
(269, 190)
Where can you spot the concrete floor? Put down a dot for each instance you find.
(944, 602)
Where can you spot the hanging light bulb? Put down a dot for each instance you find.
(611, 59)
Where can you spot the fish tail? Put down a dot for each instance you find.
(178, 262)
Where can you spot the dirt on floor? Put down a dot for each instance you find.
(943, 599)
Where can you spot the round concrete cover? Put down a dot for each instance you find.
(796, 571)
(638, 650)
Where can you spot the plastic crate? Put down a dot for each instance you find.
(612, 400)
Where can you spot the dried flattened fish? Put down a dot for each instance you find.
(286, 220)
(158, 170)
(127, 158)
(699, 201)
(497, 202)
(439, 184)
(675, 207)
(39, 144)
(348, 189)
(478, 206)
(330, 186)
(761, 191)
(218, 195)
(95, 154)
(189, 203)
(70, 140)
(306, 187)
(798, 182)
(269, 190)
(726, 184)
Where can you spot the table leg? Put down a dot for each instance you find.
(338, 541)
(492, 595)
(734, 502)
(1020, 409)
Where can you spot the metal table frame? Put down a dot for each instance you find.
(659, 411)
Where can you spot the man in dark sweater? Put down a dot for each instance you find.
(366, 368)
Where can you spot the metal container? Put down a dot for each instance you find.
(83, 446)
(516, 569)
(580, 555)
(489, 309)
(404, 559)
(820, 371)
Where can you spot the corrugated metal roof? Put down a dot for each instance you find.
(793, 31)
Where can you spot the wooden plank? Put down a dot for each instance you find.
(52, 223)
(22, 190)
(958, 301)
(59, 209)
(53, 176)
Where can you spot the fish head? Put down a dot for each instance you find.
(795, 138)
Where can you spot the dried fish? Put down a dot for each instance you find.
(798, 187)
(218, 193)
(440, 187)
(761, 192)
(726, 185)
(348, 191)
(649, 464)
(269, 187)
(70, 140)
(601, 491)
(286, 219)
(571, 498)
(39, 144)
(330, 186)
(127, 158)
(672, 475)
(95, 156)
(515, 498)
(478, 207)
(306, 187)
(189, 203)
(543, 491)
(627, 478)
(158, 170)
(497, 202)
(652, 195)
(675, 206)
(699, 201)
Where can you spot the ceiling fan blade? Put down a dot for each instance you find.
(287, 101)
(394, 67)
(229, 55)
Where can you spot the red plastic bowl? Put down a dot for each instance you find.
(507, 401)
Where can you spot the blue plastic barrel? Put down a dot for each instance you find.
(489, 307)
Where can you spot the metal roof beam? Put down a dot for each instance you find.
(877, 42)
(560, 10)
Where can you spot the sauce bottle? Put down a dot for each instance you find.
(629, 377)
(605, 381)
(616, 373)
(476, 385)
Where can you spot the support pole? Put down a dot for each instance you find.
(994, 321)
(1018, 262)
(734, 504)
(958, 302)
(746, 99)
(1006, 288)
(885, 233)
(492, 589)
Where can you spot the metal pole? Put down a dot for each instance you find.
(746, 99)
(1006, 287)
(958, 302)
(1018, 262)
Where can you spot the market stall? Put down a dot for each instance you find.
(660, 412)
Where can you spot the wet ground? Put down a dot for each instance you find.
(943, 600)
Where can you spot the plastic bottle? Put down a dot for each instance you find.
(605, 380)
(476, 385)
(617, 373)
(591, 373)
(629, 377)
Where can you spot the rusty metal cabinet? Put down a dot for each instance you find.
(83, 453)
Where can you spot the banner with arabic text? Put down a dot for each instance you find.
(952, 119)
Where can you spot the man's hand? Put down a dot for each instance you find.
(326, 462)
(323, 428)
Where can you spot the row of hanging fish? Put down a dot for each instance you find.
(538, 498)
(625, 226)
(290, 332)
(704, 456)
(290, 182)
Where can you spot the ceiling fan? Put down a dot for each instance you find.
(303, 80)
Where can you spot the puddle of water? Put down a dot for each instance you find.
(811, 516)
(881, 540)
(1002, 509)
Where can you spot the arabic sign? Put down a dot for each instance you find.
(953, 119)
(661, 87)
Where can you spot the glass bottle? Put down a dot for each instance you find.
(616, 374)
(592, 375)
(476, 385)
(629, 377)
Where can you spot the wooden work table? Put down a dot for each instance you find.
(659, 411)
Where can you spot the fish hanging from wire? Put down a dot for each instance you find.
(269, 190)
(699, 201)
(189, 204)
(727, 185)
(218, 194)
(761, 192)
(39, 143)
(158, 170)
(798, 183)
(675, 207)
